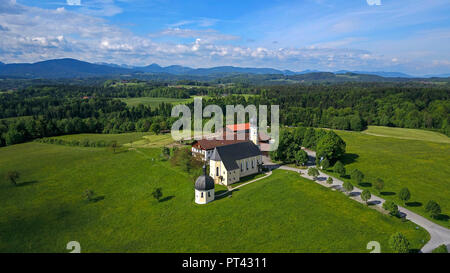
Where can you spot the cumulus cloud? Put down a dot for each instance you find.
(374, 2)
(37, 34)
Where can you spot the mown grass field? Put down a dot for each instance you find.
(283, 213)
(153, 102)
(421, 166)
(404, 133)
(120, 138)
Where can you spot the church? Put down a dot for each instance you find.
(226, 166)
(228, 163)
(231, 162)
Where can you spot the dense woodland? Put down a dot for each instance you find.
(47, 110)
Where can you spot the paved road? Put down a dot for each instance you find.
(439, 234)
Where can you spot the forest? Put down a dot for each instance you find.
(44, 110)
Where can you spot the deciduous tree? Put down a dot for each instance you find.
(433, 208)
(357, 175)
(366, 195)
(348, 187)
(404, 194)
(399, 243)
(13, 176)
(339, 168)
(157, 194)
(313, 172)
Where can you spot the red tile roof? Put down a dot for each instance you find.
(209, 144)
(239, 127)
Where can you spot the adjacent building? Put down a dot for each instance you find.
(242, 132)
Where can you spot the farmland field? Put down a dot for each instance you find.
(283, 213)
(421, 166)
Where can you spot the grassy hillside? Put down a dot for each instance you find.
(404, 133)
(421, 166)
(283, 213)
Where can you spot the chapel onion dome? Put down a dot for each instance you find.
(204, 182)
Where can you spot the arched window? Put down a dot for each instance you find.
(217, 171)
(201, 195)
(253, 164)
(209, 194)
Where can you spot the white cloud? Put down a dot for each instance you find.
(35, 34)
(374, 2)
(74, 2)
(205, 34)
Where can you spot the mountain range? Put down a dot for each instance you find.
(72, 68)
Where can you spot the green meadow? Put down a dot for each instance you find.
(282, 213)
(120, 138)
(403, 133)
(153, 102)
(420, 165)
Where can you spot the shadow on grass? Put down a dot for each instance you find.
(387, 193)
(228, 194)
(27, 183)
(98, 198)
(348, 158)
(167, 198)
(120, 151)
(413, 204)
(442, 217)
(219, 192)
(365, 184)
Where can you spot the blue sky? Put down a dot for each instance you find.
(409, 36)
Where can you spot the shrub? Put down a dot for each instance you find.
(330, 180)
(313, 172)
(398, 243)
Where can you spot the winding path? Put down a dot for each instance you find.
(439, 234)
(246, 183)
